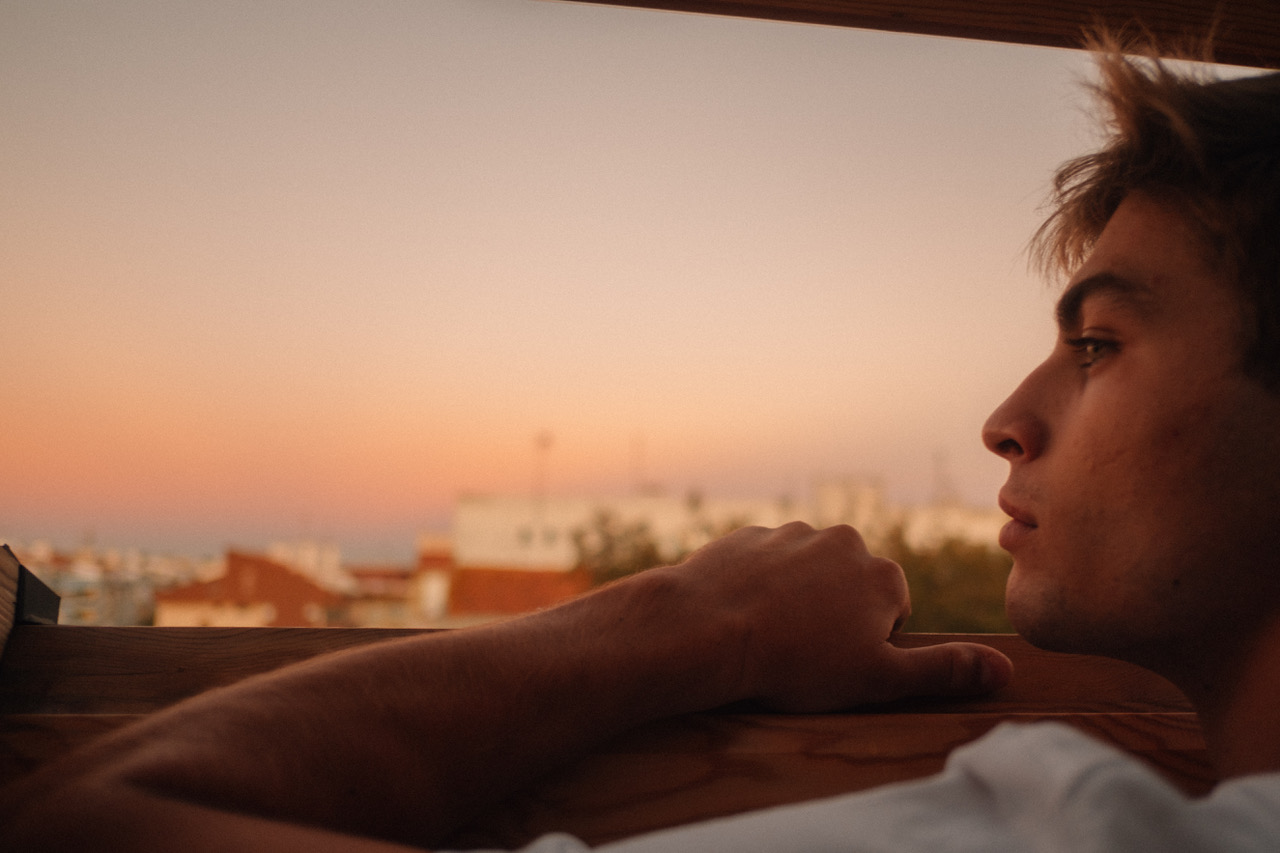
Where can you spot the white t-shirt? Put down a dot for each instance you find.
(1043, 786)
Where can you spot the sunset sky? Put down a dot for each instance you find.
(280, 269)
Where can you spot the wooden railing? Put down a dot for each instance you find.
(61, 686)
(1242, 32)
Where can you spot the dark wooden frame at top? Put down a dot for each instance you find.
(1244, 32)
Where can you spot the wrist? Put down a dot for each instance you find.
(663, 644)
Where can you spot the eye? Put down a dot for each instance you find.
(1091, 350)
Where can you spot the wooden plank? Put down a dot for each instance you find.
(1246, 32)
(10, 569)
(84, 669)
(62, 686)
(707, 766)
(75, 669)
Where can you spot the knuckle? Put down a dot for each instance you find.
(795, 527)
(892, 580)
(889, 568)
(845, 535)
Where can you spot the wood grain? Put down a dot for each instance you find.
(709, 765)
(706, 766)
(63, 686)
(75, 669)
(68, 669)
(1245, 32)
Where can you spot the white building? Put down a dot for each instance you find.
(537, 533)
(319, 561)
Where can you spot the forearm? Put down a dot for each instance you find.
(405, 739)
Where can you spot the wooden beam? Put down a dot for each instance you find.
(1245, 32)
(70, 669)
(710, 765)
(63, 686)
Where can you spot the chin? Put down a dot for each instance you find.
(1047, 620)
(1035, 629)
(1053, 624)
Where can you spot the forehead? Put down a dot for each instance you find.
(1150, 261)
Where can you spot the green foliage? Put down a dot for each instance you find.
(609, 548)
(957, 587)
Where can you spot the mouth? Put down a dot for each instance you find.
(1021, 525)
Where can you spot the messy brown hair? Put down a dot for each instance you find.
(1209, 147)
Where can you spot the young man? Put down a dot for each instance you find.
(1144, 492)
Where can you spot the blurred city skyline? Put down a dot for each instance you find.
(279, 270)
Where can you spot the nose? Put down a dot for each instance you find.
(1015, 431)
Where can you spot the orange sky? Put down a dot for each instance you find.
(278, 268)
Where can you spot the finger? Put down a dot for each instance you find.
(948, 669)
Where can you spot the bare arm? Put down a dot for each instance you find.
(406, 740)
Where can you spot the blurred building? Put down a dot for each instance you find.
(518, 553)
(506, 554)
(513, 554)
(253, 591)
(105, 586)
(319, 561)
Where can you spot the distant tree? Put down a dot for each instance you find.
(609, 548)
(956, 587)
(700, 530)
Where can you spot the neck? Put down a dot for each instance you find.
(1237, 705)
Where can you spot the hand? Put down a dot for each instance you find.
(814, 611)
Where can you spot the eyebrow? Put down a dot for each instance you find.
(1133, 294)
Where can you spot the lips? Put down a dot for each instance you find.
(1020, 526)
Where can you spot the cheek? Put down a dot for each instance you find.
(1129, 457)
(1101, 515)
(1103, 469)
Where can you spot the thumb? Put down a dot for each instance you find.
(949, 669)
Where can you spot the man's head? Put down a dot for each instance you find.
(1145, 451)
(1210, 149)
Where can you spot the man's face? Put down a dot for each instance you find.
(1144, 481)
